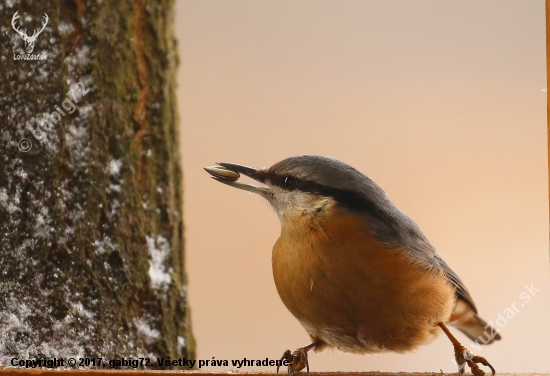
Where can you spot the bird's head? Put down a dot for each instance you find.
(308, 186)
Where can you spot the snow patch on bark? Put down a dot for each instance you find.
(6, 203)
(159, 251)
(114, 167)
(150, 335)
(101, 246)
(18, 332)
(181, 344)
(42, 221)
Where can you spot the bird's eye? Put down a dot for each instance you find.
(288, 182)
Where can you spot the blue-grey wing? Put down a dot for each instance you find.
(427, 254)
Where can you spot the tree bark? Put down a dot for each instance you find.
(91, 230)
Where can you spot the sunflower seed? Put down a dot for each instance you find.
(222, 173)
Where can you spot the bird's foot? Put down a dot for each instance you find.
(463, 356)
(296, 361)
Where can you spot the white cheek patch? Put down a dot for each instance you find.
(296, 202)
(281, 201)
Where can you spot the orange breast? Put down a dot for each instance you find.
(352, 291)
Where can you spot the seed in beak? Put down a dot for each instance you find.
(221, 172)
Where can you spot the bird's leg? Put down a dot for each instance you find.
(297, 360)
(463, 355)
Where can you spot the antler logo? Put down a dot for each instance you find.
(29, 40)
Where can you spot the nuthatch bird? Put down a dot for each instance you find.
(356, 272)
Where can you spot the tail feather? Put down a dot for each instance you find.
(473, 326)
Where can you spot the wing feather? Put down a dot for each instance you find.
(427, 254)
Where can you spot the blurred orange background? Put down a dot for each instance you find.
(442, 103)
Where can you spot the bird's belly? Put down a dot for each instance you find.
(361, 297)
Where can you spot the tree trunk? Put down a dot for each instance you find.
(91, 230)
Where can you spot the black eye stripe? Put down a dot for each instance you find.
(354, 201)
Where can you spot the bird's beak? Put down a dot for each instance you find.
(223, 175)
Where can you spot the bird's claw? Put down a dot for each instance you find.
(296, 361)
(462, 355)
